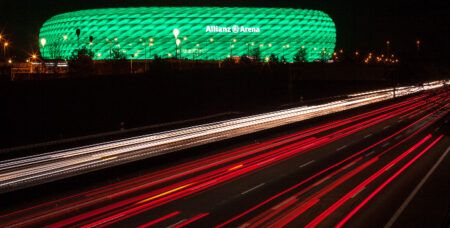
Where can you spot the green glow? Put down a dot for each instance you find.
(147, 31)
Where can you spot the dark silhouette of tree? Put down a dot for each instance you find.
(273, 59)
(81, 62)
(159, 64)
(300, 56)
(228, 62)
(283, 59)
(245, 60)
(116, 54)
(324, 56)
(119, 63)
(256, 54)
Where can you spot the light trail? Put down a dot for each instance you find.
(211, 179)
(179, 171)
(32, 170)
(374, 193)
(222, 168)
(256, 220)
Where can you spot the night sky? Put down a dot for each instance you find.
(361, 25)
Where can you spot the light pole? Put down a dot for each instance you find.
(43, 43)
(211, 40)
(145, 56)
(184, 43)
(284, 48)
(5, 45)
(178, 42)
(110, 48)
(418, 46)
(131, 63)
(176, 32)
(231, 50)
(65, 38)
(388, 47)
(261, 46)
(197, 46)
(117, 44)
(269, 47)
(151, 46)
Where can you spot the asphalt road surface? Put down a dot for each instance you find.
(388, 166)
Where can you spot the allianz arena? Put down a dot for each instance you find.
(206, 33)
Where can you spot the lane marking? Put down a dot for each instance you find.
(177, 223)
(388, 126)
(386, 144)
(257, 186)
(398, 136)
(370, 153)
(400, 210)
(367, 136)
(342, 147)
(307, 163)
(362, 189)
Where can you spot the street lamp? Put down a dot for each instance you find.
(231, 50)
(5, 45)
(388, 47)
(151, 46)
(285, 47)
(43, 43)
(211, 40)
(195, 54)
(176, 32)
(131, 62)
(418, 45)
(178, 42)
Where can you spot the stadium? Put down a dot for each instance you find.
(198, 33)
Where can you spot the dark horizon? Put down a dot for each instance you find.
(360, 25)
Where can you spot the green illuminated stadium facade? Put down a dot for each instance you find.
(207, 33)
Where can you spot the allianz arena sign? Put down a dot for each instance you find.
(232, 29)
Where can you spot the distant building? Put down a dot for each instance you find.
(205, 33)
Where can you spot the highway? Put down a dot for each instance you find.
(364, 169)
(33, 170)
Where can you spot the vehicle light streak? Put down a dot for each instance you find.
(156, 221)
(227, 222)
(61, 164)
(377, 190)
(316, 197)
(165, 195)
(191, 220)
(362, 185)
